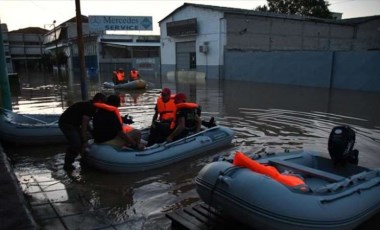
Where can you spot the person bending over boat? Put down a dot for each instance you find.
(186, 120)
(118, 76)
(109, 127)
(74, 123)
(164, 113)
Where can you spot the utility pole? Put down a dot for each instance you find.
(56, 54)
(81, 51)
(58, 63)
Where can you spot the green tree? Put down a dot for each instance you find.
(312, 8)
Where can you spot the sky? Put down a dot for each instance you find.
(19, 14)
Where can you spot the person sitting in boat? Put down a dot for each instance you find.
(74, 124)
(134, 74)
(109, 127)
(187, 119)
(119, 76)
(164, 113)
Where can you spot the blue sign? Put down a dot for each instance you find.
(100, 23)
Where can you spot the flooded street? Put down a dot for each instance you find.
(266, 118)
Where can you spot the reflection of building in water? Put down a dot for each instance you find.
(241, 44)
(122, 98)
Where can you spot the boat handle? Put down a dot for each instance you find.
(205, 141)
(225, 180)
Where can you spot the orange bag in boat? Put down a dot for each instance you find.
(242, 160)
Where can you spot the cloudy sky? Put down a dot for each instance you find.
(41, 13)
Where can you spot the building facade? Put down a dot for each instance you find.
(26, 48)
(129, 51)
(229, 43)
(103, 53)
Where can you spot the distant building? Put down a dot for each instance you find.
(103, 53)
(63, 38)
(127, 51)
(230, 43)
(336, 15)
(26, 48)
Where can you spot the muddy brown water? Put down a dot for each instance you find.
(265, 118)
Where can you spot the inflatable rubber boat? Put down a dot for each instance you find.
(107, 158)
(29, 129)
(137, 84)
(294, 190)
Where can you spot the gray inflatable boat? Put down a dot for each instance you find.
(333, 196)
(29, 129)
(137, 84)
(107, 158)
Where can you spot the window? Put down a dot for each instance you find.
(183, 27)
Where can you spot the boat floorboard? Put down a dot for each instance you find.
(201, 216)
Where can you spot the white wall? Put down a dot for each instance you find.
(210, 26)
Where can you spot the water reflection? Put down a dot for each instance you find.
(266, 118)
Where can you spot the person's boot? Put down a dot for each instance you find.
(209, 124)
(68, 165)
(212, 122)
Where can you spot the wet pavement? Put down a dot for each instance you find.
(14, 211)
(30, 198)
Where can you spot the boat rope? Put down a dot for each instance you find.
(218, 180)
(189, 138)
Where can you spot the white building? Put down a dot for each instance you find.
(229, 43)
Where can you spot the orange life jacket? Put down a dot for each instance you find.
(242, 160)
(120, 76)
(186, 105)
(166, 110)
(126, 128)
(134, 75)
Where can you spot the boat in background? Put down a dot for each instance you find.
(29, 129)
(293, 190)
(107, 158)
(137, 84)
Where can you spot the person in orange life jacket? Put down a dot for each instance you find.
(164, 114)
(186, 120)
(119, 76)
(109, 127)
(74, 124)
(134, 74)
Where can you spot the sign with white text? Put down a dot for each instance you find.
(100, 23)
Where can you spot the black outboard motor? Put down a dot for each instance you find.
(341, 144)
(127, 119)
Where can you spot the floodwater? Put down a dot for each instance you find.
(266, 118)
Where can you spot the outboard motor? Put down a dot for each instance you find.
(341, 144)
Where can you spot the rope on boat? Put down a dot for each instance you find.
(218, 180)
